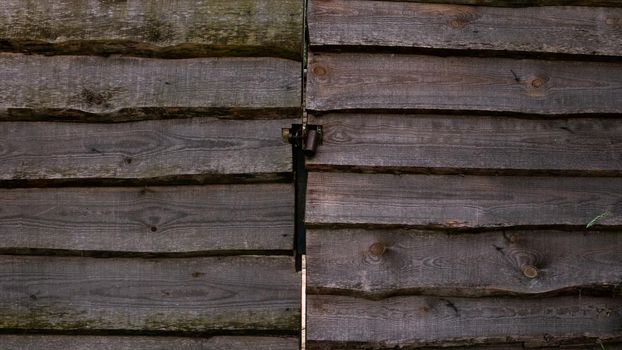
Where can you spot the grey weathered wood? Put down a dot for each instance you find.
(194, 295)
(454, 144)
(60, 342)
(594, 345)
(522, 3)
(193, 148)
(423, 320)
(567, 30)
(123, 88)
(461, 202)
(164, 28)
(216, 218)
(416, 82)
(377, 263)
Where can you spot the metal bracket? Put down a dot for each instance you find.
(305, 140)
(304, 136)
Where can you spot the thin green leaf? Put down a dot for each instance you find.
(596, 219)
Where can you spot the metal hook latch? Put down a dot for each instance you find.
(305, 136)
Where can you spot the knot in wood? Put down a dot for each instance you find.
(537, 83)
(530, 271)
(319, 71)
(377, 249)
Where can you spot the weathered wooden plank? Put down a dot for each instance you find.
(35, 342)
(521, 3)
(216, 218)
(125, 88)
(380, 263)
(192, 149)
(421, 320)
(416, 82)
(162, 28)
(471, 144)
(593, 345)
(183, 295)
(559, 30)
(461, 202)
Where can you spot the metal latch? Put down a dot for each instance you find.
(304, 136)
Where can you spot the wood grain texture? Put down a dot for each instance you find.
(559, 30)
(184, 295)
(35, 342)
(591, 345)
(471, 144)
(215, 218)
(162, 28)
(192, 148)
(380, 263)
(414, 82)
(126, 88)
(421, 320)
(520, 3)
(461, 202)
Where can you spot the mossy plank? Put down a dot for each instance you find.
(211, 295)
(214, 219)
(110, 342)
(131, 88)
(77, 342)
(161, 28)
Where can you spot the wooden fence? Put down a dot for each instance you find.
(466, 149)
(467, 193)
(144, 189)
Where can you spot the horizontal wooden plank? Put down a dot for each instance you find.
(593, 345)
(129, 88)
(471, 144)
(558, 30)
(421, 320)
(521, 3)
(590, 345)
(216, 218)
(182, 295)
(36, 342)
(190, 149)
(414, 82)
(163, 28)
(461, 202)
(380, 263)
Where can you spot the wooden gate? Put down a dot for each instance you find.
(145, 190)
(465, 151)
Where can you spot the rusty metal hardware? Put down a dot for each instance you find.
(304, 136)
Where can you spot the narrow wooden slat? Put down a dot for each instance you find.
(163, 149)
(593, 345)
(126, 88)
(182, 295)
(378, 263)
(565, 30)
(161, 28)
(35, 342)
(422, 320)
(520, 3)
(415, 82)
(458, 144)
(461, 202)
(170, 219)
